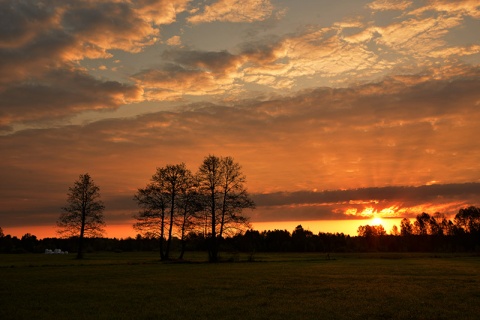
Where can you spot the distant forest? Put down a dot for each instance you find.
(428, 233)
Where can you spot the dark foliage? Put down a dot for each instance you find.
(426, 234)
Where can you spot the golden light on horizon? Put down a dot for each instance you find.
(376, 221)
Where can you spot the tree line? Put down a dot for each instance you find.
(463, 236)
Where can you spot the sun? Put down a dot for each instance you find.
(377, 221)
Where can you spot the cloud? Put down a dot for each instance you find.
(107, 25)
(359, 210)
(190, 72)
(73, 31)
(172, 82)
(388, 202)
(160, 12)
(174, 41)
(21, 22)
(234, 11)
(347, 52)
(61, 93)
(385, 5)
(417, 37)
(460, 8)
(41, 46)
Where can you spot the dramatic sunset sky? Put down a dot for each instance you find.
(337, 110)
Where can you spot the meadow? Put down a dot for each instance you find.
(275, 286)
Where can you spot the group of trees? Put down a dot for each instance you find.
(430, 232)
(466, 221)
(210, 200)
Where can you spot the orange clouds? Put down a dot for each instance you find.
(39, 53)
(384, 5)
(234, 11)
(43, 40)
(348, 51)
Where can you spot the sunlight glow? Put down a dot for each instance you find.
(377, 221)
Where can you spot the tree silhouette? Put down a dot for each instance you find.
(29, 242)
(188, 211)
(421, 225)
(406, 228)
(469, 219)
(151, 219)
(301, 239)
(174, 178)
(221, 182)
(371, 231)
(83, 215)
(162, 201)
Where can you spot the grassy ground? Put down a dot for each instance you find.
(276, 286)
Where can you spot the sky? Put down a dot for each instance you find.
(339, 112)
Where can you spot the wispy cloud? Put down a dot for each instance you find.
(233, 11)
(61, 93)
(385, 5)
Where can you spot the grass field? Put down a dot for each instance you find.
(276, 286)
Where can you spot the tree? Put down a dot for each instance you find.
(29, 242)
(1, 233)
(162, 202)
(368, 231)
(83, 215)
(468, 219)
(302, 239)
(189, 206)
(151, 219)
(395, 231)
(175, 179)
(221, 182)
(406, 228)
(421, 224)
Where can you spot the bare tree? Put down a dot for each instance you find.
(188, 218)
(83, 215)
(160, 202)
(175, 178)
(151, 219)
(221, 182)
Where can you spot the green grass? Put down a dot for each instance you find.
(277, 286)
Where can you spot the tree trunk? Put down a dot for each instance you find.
(169, 240)
(182, 239)
(213, 249)
(162, 234)
(82, 232)
(224, 205)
